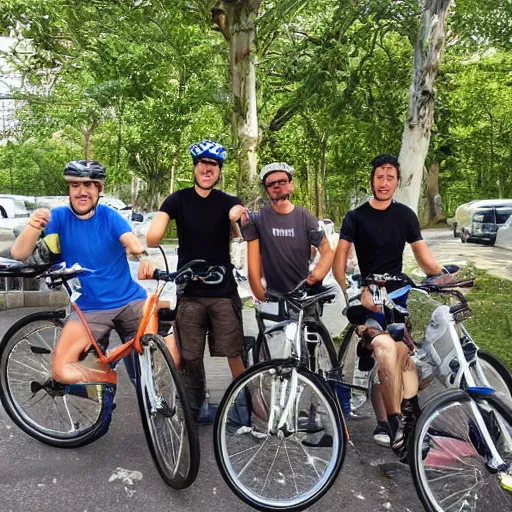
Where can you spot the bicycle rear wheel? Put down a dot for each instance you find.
(168, 425)
(279, 437)
(351, 374)
(451, 463)
(50, 412)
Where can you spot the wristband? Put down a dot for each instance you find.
(35, 227)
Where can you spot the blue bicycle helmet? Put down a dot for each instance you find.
(208, 149)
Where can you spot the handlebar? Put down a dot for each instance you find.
(214, 274)
(357, 282)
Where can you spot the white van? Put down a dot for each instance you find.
(478, 221)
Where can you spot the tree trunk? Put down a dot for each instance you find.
(432, 200)
(428, 54)
(237, 21)
(87, 132)
(324, 176)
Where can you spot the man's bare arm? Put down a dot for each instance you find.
(324, 263)
(339, 267)
(254, 269)
(26, 241)
(425, 259)
(157, 229)
(131, 243)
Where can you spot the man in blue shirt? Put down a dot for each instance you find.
(98, 238)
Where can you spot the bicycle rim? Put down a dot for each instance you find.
(452, 465)
(168, 425)
(41, 407)
(284, 467)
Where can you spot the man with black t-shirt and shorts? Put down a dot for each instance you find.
(202, 216)
(379, 229)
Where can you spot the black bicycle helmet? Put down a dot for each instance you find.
(85, 170)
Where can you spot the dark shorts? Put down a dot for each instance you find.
(221, 317)
(125, 320)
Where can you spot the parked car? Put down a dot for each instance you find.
(504, 235)
(479, 221)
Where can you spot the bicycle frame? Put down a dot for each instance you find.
(148, 324)
(456, 331)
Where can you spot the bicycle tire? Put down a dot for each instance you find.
(447, 440)
(172, 414)
(25, 374)
(327, 352)
(496, 372)
(261, 351)
(230, 434)
(348, 360)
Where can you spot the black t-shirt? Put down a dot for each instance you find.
(379, 236)
(204, 231)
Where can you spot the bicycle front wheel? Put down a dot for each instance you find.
(168, 424)
(452, 465)
(55, 414)
(495, 373)
(279, 437)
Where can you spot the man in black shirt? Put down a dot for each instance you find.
(204, 231)
(379, 229)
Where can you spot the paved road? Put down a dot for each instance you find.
(497, 260)
(116, 473)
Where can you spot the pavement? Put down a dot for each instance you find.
(116, 473)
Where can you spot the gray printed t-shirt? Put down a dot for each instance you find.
(285, 244)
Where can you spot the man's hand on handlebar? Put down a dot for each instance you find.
(314, 277)
(146, 270)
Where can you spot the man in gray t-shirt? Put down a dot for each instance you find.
(280, 237)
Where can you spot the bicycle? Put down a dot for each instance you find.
(461, 451)
(74, 415)
(486, 367)
(279, 433)
(269, 342)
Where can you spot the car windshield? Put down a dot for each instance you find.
(502, 215)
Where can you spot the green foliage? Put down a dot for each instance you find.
(139, 81)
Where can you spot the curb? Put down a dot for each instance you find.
(24, 299)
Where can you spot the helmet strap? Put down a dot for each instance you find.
(284, 197)
(86, 215)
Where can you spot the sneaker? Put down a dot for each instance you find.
(318, 440)
(381, 434)
(309, 422)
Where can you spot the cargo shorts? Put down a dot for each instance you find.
(220, 317)
(125, 320)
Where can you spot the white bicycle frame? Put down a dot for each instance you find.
(456, 331)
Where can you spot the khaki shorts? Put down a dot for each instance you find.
(125, 320)
(221, 317)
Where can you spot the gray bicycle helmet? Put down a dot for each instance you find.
(85, 170)
(276, 167)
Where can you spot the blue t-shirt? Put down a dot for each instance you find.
(94, 244)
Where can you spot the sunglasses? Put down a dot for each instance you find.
(279, 183)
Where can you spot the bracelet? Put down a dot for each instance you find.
(35, 227)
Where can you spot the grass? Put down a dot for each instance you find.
(491, 324)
